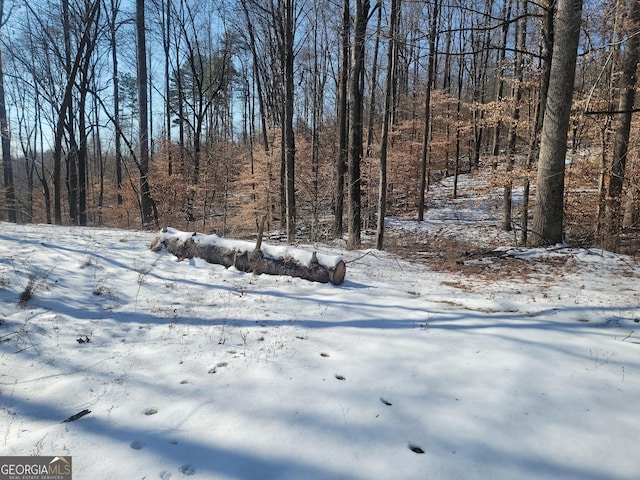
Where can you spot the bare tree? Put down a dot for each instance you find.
(356, 100)
(146, 200)
(7, 163)
(374, 81)
(627, 86)
(435, 13)
(63, 112)
(113, 25)
(546, 12)
(548, 216)
(391, 78)
(518, 78)
(343, 122)
(289, 146)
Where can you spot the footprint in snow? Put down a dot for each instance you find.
(151, 411)
(164, 475)
(187, 470)
(137, 445)
(219, 365)
(415, 448)
(340, 377)
(386, 402)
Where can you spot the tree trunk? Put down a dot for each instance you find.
(166, 46)
(115, 6)
(256, 76)
(427, 108)
(518, 77)
(497, 129)
(82, 157)
(391, 78)
(374, 82)
(247, 257)
(289, 139)
(62, 113)
(7, 164)
(356, 100)
(546, 47)
(146, 201)
(479, 67)
(548, 215)
(343, 125)
(627, 84)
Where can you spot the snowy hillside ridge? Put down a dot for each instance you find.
(303, 256)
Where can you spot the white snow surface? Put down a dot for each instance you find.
(192, 370)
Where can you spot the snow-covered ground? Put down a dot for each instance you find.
(523, 367)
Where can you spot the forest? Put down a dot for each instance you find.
(320, 117)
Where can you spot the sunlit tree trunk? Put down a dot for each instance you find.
(518, 77)
(356, 100)
(546, 46)
(627, 84)
(113, 28)
(497, 130)
(548, 215)
(146, 201)
(427, 107)
(343, 124)
(391, 78)
(374, 82)
(289, 139)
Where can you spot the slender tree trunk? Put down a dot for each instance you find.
(146, 201)
(548, 215)
(374, 81)
(70, 112)
(289, 139)
(518, 77)
(546, 41)
(256, 76)
(343, 124)
(456, 172)
(82, 157)
(479, 67)
(427, 107)
(627, 84)
(356, 100)
(62, 113)
(98, 154)
(317, 112)
(85, 77)
(166, 44)
(506, 19)
(391, 78)
(7, 163)
(42, 174)
(115, 8)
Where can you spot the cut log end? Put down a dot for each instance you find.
(338, 274)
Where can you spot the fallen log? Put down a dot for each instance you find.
(249, 257)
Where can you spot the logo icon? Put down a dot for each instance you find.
(35, 468)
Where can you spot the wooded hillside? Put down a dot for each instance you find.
(325, 117)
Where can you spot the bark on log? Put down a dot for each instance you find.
(244, 256)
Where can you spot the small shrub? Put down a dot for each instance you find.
(27, 293)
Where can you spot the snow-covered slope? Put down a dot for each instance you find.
(191, 369)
